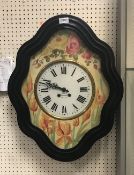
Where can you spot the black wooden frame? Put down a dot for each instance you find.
(109, 71)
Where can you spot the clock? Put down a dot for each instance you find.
(65, 88)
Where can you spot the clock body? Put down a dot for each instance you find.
(68, 88)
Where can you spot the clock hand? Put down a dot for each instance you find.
(55, 86)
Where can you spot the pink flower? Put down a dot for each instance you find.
(73, 45)
(87, 55)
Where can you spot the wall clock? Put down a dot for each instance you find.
(65, 88)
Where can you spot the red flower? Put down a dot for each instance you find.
(87, 55)
(73, 45)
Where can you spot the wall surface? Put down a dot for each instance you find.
(130, 34)
(130, 89)
(130, 124)
(20, 19)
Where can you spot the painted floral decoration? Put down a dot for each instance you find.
(66, 134)
(73, 45)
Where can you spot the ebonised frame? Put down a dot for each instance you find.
(108, 69)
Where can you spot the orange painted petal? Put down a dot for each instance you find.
(86, 116)
(29, 84)
(68, 139)
(60, 141)
(76, 122)
(59, 132)
(65, 127)
(33, 104)
(50, 130)
(46, 122)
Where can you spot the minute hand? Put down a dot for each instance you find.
(55, 86)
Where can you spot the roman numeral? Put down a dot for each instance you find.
(81, 99)
(64, 109)
(54, 107)
(53, 72)
(47, 81)
(80, 79)
(44, 90)
(47, 99)
(75, 106)
(63, 70)
(73, 72)
(83, 89)
(42, 83)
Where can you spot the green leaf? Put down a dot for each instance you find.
(62, 51)
(53, 137)
(81, 50)
(88, 63)
(64, 32)
(82, 134)
(75, 57)
(47, 59)
(83, 126)
(63, 57)
(52, 55)
(75, 142)
(67, 145)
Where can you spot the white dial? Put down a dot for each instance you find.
(64, 89)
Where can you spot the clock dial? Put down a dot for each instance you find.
(64, 89)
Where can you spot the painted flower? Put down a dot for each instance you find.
(28, 85)
(37, 63)
(86, 116)
(46, 123)
(63, 130)
(76, 122)
(73, 45)
(87, 55)
(33, 104)
(100, 98)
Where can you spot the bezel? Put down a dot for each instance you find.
(108, 69)
(82, 67)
